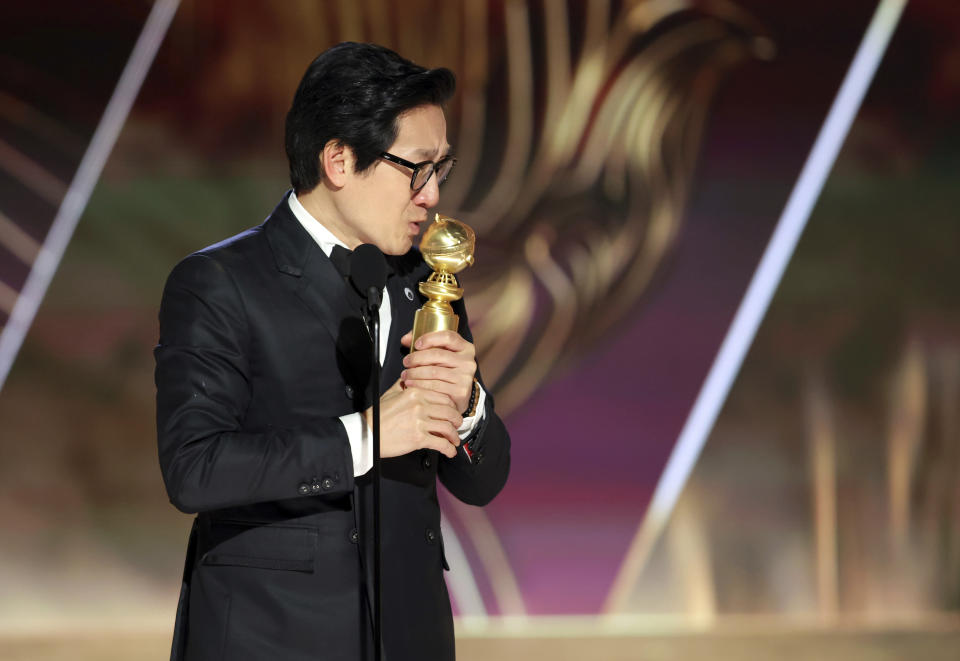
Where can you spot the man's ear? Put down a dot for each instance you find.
(336, 160)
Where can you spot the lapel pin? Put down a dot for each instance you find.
(409, 293)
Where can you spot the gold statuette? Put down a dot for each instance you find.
(447, 247)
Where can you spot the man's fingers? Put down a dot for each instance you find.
(441, 388)
(453, 365)
(441, 445)
(407, 339)
(447, 339)
(429, 396)
(447, 390)
(446, 413)
(430, 373)
(434, 357)
(419, 418)
(443, 429)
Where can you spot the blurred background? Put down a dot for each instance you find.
(624, 164)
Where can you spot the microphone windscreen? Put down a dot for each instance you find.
(368, 268)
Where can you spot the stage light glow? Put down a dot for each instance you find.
(755, 302)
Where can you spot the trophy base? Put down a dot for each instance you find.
(428, 319)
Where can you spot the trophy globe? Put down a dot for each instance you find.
(447, 247)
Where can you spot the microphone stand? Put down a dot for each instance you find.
(368, 275)
(374, 310)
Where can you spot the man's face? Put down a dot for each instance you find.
(379, 206)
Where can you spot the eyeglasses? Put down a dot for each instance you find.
(423, 170)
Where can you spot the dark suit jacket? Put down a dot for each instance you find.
(261, 350)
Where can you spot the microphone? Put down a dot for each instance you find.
(368, 273)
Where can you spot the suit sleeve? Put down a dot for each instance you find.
(477, 480)
(207, 457)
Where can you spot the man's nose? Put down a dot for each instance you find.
(429, 195)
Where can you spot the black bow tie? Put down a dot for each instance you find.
(340, 257)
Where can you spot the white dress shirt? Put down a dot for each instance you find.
(361, 438)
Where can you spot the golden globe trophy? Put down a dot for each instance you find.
(447, 247)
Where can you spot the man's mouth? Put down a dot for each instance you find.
(414, 225)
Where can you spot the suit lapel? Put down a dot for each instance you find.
(321, 288)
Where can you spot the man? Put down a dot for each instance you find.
(263, 405)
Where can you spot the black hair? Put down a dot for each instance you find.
(354, 93)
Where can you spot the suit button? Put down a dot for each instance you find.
(431, 536)
(327, 484)
(315, 487)
(354, 536)
(303, 489)
(349, 391)
(426, 463)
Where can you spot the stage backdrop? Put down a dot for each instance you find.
(624, 164)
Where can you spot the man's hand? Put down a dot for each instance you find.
(444, 363)
(415, 419)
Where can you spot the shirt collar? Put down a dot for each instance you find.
(324, 237)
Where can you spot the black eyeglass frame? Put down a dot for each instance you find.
(416, 167)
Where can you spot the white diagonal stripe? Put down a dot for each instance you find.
(755, 302)
(77, 195)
